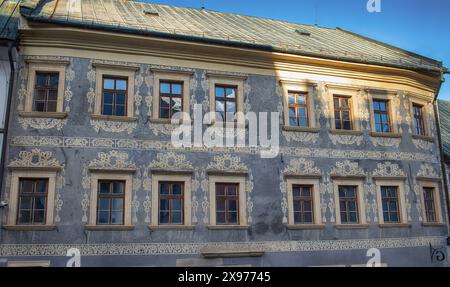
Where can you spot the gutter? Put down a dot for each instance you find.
(441, 152)
(11, 45)
(269, 48)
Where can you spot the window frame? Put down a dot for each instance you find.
(110, 196)
(125, 72)
(163, 75)
(350, 111)
(424, 183)
(317, 212)
(232, 179)
(226, 100)
(215, 79)
(359, 184)
(114, 92)
(296, 106)
(415, 100)
(34, 67)
(13, 207)
(187, 204)
(169, 197)
(400, 183)
(393, 106)
(299, 87)
(170, 96)
(227, 199)
(380, 113)
(96, 177)
(22, 194)
(47, 90)
(352, 92)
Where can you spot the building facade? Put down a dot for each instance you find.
(92, 170)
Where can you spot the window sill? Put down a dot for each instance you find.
(170, 227)
(164, 121)
(385, 135)
(345, 132)
(212, 252)
(29, 227)
(433, 224)
(108, 227)
(424, 138)
(52, 115)
(228, 227)
(394, 225)
(113, 118)
(351, 226)
(305, 226)
(298, 129)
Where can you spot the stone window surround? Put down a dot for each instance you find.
(227, 80)
(35, 66)
(228, 178)
(413, 99)
(302, 87)
(359, 183)
(169, 75)
(400, 183)
(110, 175)
(114, 70)
(314, 182)
(437, 201)
(187, 206)
(389, 96)
(352, 93)
(16, 174)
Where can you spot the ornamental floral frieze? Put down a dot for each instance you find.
(147, 185)
(113, 126)
(200, 184)
(161, 128)
(302, 137)
(90, 95)
(327, 198)
(388, 169)
(68, 94)
(423, 144)
(227, 162)
(42, 123)
(428, 171)
(171, 161)
(370, 200)
(37, 158)
(347, 168)
(385, 142)
(114, 160)
(346, 139)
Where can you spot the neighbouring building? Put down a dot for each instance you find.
(91, 168)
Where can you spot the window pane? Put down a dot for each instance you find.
(163, 188)
(293, 122)
(176, 105)
(107, 110)
(25, 203)
(176, 89)
(220, 217)
(103, 217)
(165, 102)
(232, 205)
(231, 107)
(39, 216)
(52, 95)
(121, 85)
(41, 79)
(177, 217)
(108, 84)
(104, 187)
(177, 205)
(164, 113)
(108, 98)
(39, 106)
(103, 204)
(24, 217)
(54, 80)
(308, 217)
(302, 122)
(164, 88)
(117, 217)
(41, 186)
(230, 93)
(163, 217)
(220, 106)
(164, 204)
(232, 217)
(176, 188)
(220, 92)
(220, 190)
(40, 202)
(120, 110)
(121, 99)
(301, 99)
(376, 105)
(220, 204)
(117, 204)
(291, 98)
(307, 205)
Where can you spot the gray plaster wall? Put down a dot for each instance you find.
(262, 93)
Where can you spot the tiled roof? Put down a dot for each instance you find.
(9, 17)
(225, 28)
(444, 122)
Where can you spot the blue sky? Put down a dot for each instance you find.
(420, 26)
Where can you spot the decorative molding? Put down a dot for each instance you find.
(171, 161)
(346, 139)
(227, 162)
(427, 171)
(143, 249)
(303, 137)
(113, 126)
(347, 168)
(42, 123)
(423, 144)
(35, 159)
(133, 144)
(113, 160)
(388, 169)
(385, 141)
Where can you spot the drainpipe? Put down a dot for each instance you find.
(441, 152)
(7, 114)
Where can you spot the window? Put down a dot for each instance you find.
(429, 204)
(419, 127)
(45, 89)
(114, 100)
(171, 200)
(381, 116)
(171, 203)
(348, 204)
(227, 203)
(225, 102)
(303, 204)
(110, 205)
(170, 99)
(298, 109)
(46, 92)
(32, 201)
(390, 204)
(342, 113)
(111, 202)
(114, 92)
